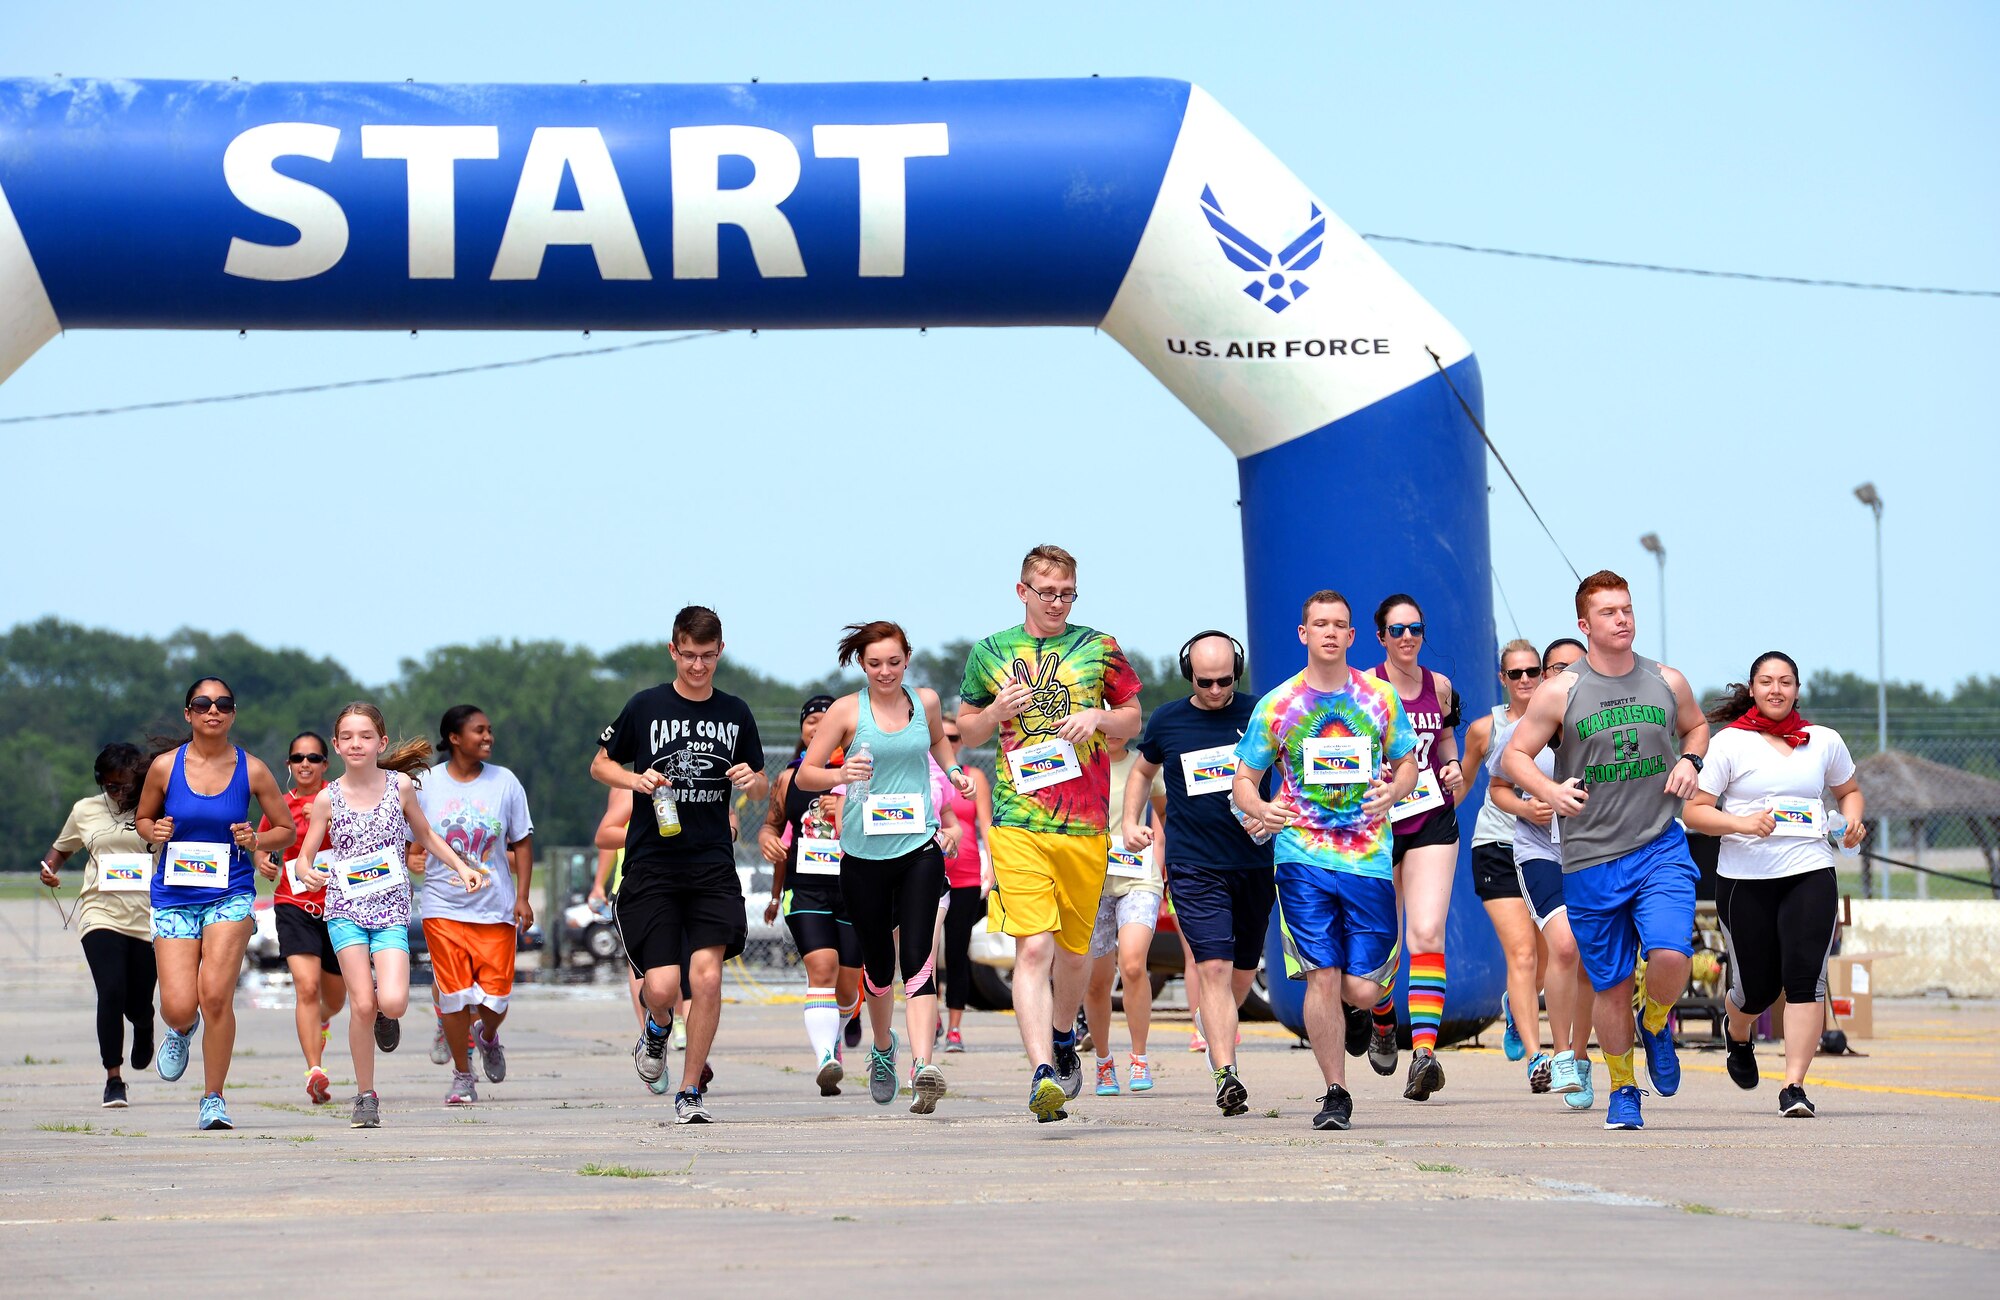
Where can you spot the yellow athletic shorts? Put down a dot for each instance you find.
(1046, 883)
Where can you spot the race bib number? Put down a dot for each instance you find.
(370, 874)
(196, 866)
(818, 857)
(1337, 760)
(1423, 798)
(124, 873)
(322, 862)
(892, 814)
(1209, 771)
(1129, 864)
(1797, 818)
(1043, 764)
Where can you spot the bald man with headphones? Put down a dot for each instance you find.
(1220, 879)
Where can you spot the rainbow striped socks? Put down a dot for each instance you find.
(822, 1016)
(1426, 999)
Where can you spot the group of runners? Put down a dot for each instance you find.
(1331, 800)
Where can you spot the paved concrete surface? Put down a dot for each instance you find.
(1484, 1188)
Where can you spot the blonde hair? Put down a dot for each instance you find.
(410, 757)
(1053, 558)
(1519, 645)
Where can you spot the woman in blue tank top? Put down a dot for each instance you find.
(195, 811)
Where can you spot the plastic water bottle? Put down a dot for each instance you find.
(1836, 835)
(666, 813)
(858, 790)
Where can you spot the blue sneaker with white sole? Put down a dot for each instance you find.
(1585, 1095)
(172, 1057)
(214, 1113)
(1622, 1111)
(1510, 1040)
(1663, 1063)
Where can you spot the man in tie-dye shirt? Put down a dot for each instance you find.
(1331, 731)
(1052, 692)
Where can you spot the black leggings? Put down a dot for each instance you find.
(122, 968)
(966, 909)
(885, 894)
(1779, 934)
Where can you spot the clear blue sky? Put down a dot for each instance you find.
(1848, 141)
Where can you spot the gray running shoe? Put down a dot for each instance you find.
(464, 1089)
(1382, 1050)
(388, 1033)
(367, 1111)
(1069, 1069)
(440, 1050)
(882, 1073)
(927, 1088)
(1231, 1097)
(492, 1056)
(649, 1058)
(831, 1072)
(688, 1109)
(1426, 1076)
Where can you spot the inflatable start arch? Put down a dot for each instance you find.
(1136, 206)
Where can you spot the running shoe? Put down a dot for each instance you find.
(649, 1058)
(114, 1095)
(388, 1033)
(1510, 1039)
(1794, 1104)
(831, 1072)
(1426, 1076)
(440, 1050)
(688, 1109)
(1585, 1095)
(1662, 1062)
(1231, 1097)
(954, 1041)
(1045, 1096)
(851, 1035)
(464, 1089)
(319, 1088)
(1360, 1026)
(142, 1044)
(1622, 1111)
(681, 1044)
(1562, 1074)
(1381, 1047)
(1107, 1078)
(1336, 1109)
(367, 1111)
(926, 1088)
(1198, 1043)
(1069, 1068)
(214, 1112)
(1140, 1074)
(492, 1056)
(882, 1073)
(1742, 1062)
(1541, 1072)
(172, 1061)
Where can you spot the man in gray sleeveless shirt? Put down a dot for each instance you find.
(1628, 740)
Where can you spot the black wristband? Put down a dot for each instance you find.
(1696, 760)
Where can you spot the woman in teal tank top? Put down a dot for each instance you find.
(893, 842)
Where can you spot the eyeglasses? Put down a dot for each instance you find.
(1396, 631)
(1055, 597)
(308, 758)
(705, 658)
(1516, 674)
(221, 704)
(1210, 683)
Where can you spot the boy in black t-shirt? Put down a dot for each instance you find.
(681, 892)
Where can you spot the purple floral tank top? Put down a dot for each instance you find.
(354, 833)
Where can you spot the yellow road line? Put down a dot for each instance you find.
(1821, 1081)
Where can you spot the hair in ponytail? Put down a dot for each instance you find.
(1739, 701)
(410, 757)
(452, 723)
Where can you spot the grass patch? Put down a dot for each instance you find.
(1696, 1207)
(302, 1137)
(468, 1119)
(595, 1105)
(1271, 1113)
(29, 1058)
(845, 1218)
(595, 1170)
(47, 1127)
(1439, 1169)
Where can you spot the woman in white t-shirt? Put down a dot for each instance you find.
(1762, 789)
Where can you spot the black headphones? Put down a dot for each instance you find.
(1187, 668)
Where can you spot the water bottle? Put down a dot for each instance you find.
(666, 812)
(1255, 830)
(858, 790)
(1836, 835)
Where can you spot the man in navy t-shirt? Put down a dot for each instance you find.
(1219, 878)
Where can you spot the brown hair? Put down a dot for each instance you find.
(1602, 580)
(1519, 645)
(859, 636)
(410, 757)
(1325, 596)
(1053, 558)
(698, 625)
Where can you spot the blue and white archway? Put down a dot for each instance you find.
(1136, 206)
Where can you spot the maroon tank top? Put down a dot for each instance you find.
(1426, 714)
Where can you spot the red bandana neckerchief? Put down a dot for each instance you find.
(1791, 728)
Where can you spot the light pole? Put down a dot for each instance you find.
(1651, 541)
(1868, 496)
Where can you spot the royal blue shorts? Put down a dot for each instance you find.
(1338, 920)
(1224, 912)
(1641, 902)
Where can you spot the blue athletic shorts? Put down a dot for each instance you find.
(1224, 912)
(1542, 886)
(352, 934)
(1641, 902)
(190, 919)
(1336, 919)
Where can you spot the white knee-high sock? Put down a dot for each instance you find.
(822, 1020)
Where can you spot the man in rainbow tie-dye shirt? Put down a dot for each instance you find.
(1331, 731)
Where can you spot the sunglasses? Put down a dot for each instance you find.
(1396, 631)
(1516, 674)
(221, 704)
(1210, 683)
(308, 758)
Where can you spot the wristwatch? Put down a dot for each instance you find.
(1695, 759)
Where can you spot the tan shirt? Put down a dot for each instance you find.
(96, 826)
(1120, 886)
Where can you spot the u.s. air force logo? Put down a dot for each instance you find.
(1276, 283)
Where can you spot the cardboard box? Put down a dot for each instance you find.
(1850, 984)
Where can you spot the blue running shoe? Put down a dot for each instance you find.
(214, 1113)
(1662, 1062)
(1510, 1041)
(1585, 1095)
(1541, 1071)
(1046, 1096)
(172, 1060)
(1622, 1111)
